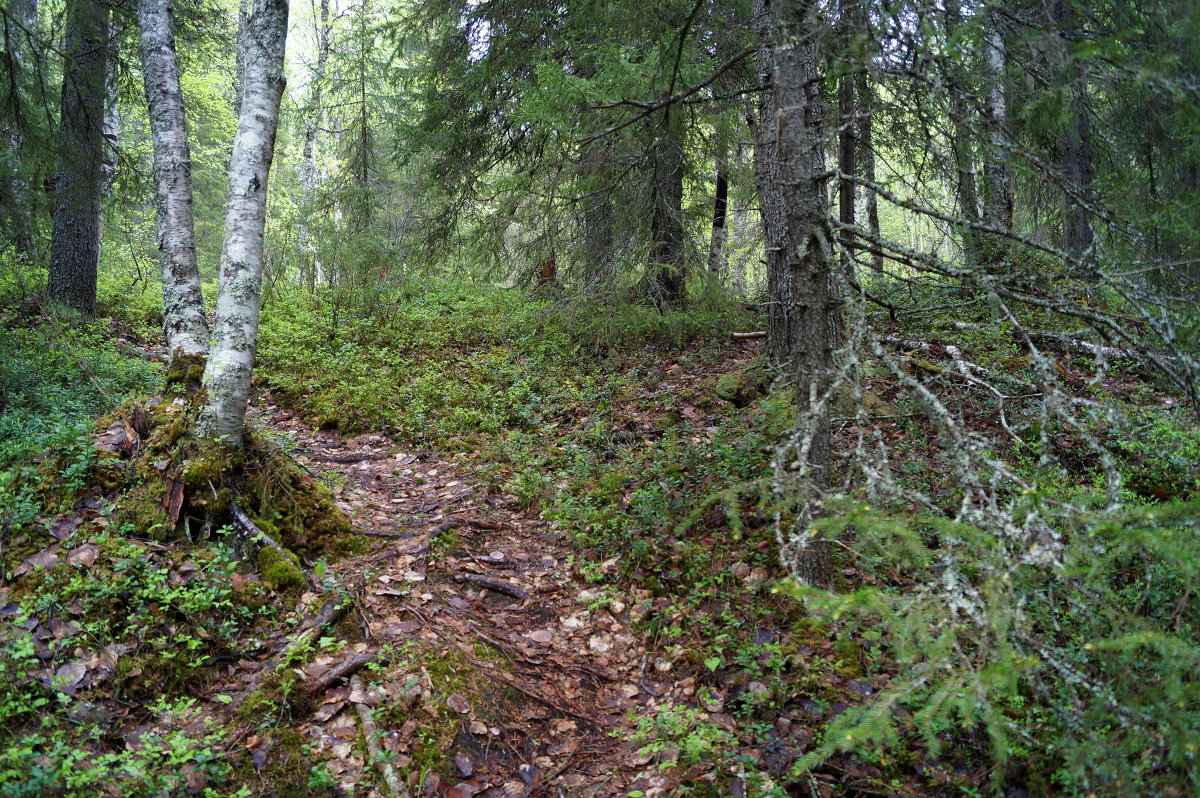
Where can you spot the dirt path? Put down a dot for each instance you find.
(495, 650)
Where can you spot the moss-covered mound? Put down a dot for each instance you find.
(743, 386)
(171, 485)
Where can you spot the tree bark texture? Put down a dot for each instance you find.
(1076, 145)
(800, 152)
(20, 23)
(261, 47)
(781, 329)
(75, 244)
(966, 190)
(183, 302)
(309, 171)
(866, 156)
(997, 173)
(716, 248)
(667, 258)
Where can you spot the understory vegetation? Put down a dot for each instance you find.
(672, 399)
(1064, 661)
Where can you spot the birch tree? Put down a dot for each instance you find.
(261, 43)
(183, 302)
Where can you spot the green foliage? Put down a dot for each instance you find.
(155, 621)
(53, 381)
(1084, 661)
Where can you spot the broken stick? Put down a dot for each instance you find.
(371, 735)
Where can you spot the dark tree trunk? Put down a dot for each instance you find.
(781, 327)
(847, 149)
(1079, 237)
(716, 249)
(75, 245)
(866, 102)
(667, 260)
(965, 188)
(797, 89)
(18, 198)
(1078, 233)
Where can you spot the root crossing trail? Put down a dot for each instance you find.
(491, 659)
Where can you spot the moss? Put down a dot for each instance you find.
(743, 386)
(849, 653)
(184, 374)
(277, 571)
(141, 508)
(284, 498)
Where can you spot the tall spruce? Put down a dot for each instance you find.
(75, 244)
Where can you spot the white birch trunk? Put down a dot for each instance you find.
(227, 379)
(310, 176)
(998, 210)
(183, 302)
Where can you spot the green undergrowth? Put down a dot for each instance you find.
(118, 633)
(55, 379)
(451, 367)
(1074, 679)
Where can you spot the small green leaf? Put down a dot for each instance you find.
(225, 699)
(712, 663)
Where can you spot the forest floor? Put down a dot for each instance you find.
(498, 667)
(564, 576)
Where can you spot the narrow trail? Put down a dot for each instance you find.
(552, 672)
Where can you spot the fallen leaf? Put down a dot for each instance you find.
(43, 559)
(458, 704)
(83, 556)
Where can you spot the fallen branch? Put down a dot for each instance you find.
(494, 585)
(373, 534)
(371, 735)
(348, 458)
(343, 670)
(243, 522)
(455, 522)
(746, 336)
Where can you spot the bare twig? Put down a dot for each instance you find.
(371, 735)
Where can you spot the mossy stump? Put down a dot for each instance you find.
(171, 484)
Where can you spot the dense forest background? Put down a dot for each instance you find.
(626, 399)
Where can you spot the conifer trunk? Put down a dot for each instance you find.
(781, 330)
(261, 49)
(800, 149)
(75, 244)
(667, 259)
(716, 248)
(17, 33)
(183, 302)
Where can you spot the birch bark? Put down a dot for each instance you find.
(997, 174)
(227, 379)
(183, 302)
